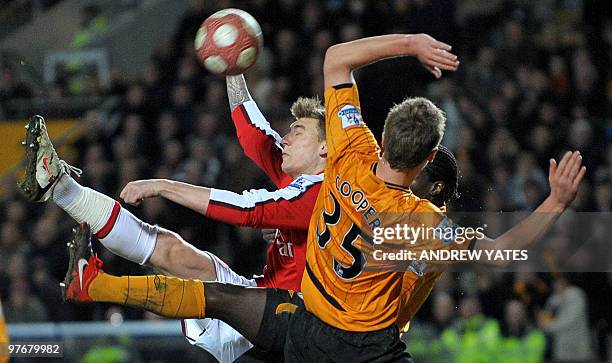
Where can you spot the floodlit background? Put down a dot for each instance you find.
(126, 98)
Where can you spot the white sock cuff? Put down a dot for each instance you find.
(124, 234)
(91, 207)
(65, 191)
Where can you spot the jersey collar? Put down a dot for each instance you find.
(389, 185)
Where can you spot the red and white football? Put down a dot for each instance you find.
(229, 41)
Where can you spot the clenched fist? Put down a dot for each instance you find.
(135, 192)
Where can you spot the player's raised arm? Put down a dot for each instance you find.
(564, 181)
(187, 195)
(342, 59)
(289, 207)
(237, 91)
(345, 128)
(260, 142)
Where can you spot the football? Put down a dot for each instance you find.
(228, 42)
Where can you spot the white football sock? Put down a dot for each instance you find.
(88, 206)
(65, 191)
(116, 228)
(128, 237)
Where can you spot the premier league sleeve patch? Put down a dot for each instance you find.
(350, 116)
(447, 231)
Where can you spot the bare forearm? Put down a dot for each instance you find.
(361, 52)
(187, 195)
(528, 231)
(341, 59)
(564, 179)
(237, 91)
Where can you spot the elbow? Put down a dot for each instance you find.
(332, 57)
(331, 54)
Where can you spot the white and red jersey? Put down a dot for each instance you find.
(289, 208)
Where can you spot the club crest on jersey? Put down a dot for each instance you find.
(299, 183)
(350, 116)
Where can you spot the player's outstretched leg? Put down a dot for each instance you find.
(47, 176)
(239, 306)
(167, 296)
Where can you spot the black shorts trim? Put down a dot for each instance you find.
(343, 85)
(330, 299)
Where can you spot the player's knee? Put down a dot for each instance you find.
(165, 246)
(175, 255)
(167, 238)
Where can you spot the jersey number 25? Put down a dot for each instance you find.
(348, 243)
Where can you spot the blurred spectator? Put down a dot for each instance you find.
(531, 289)
(191, 21)
(45, 241)
(10, 87)
(516, 319)
(603, 195)
(15, 212)
(470, 315)
(482, 75)
(443, 311)
(11, 244)
(566, 320)
(22, 306)
(93, 22)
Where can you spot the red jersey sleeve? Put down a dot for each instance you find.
(289, 207)
(259, 141)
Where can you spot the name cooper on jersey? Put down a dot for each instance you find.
(359, 201)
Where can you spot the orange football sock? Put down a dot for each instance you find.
(170, 297)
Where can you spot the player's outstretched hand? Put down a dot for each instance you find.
(565, 178)
(434, 55)
(135, 192)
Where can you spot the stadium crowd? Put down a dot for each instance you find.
(533, 82)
